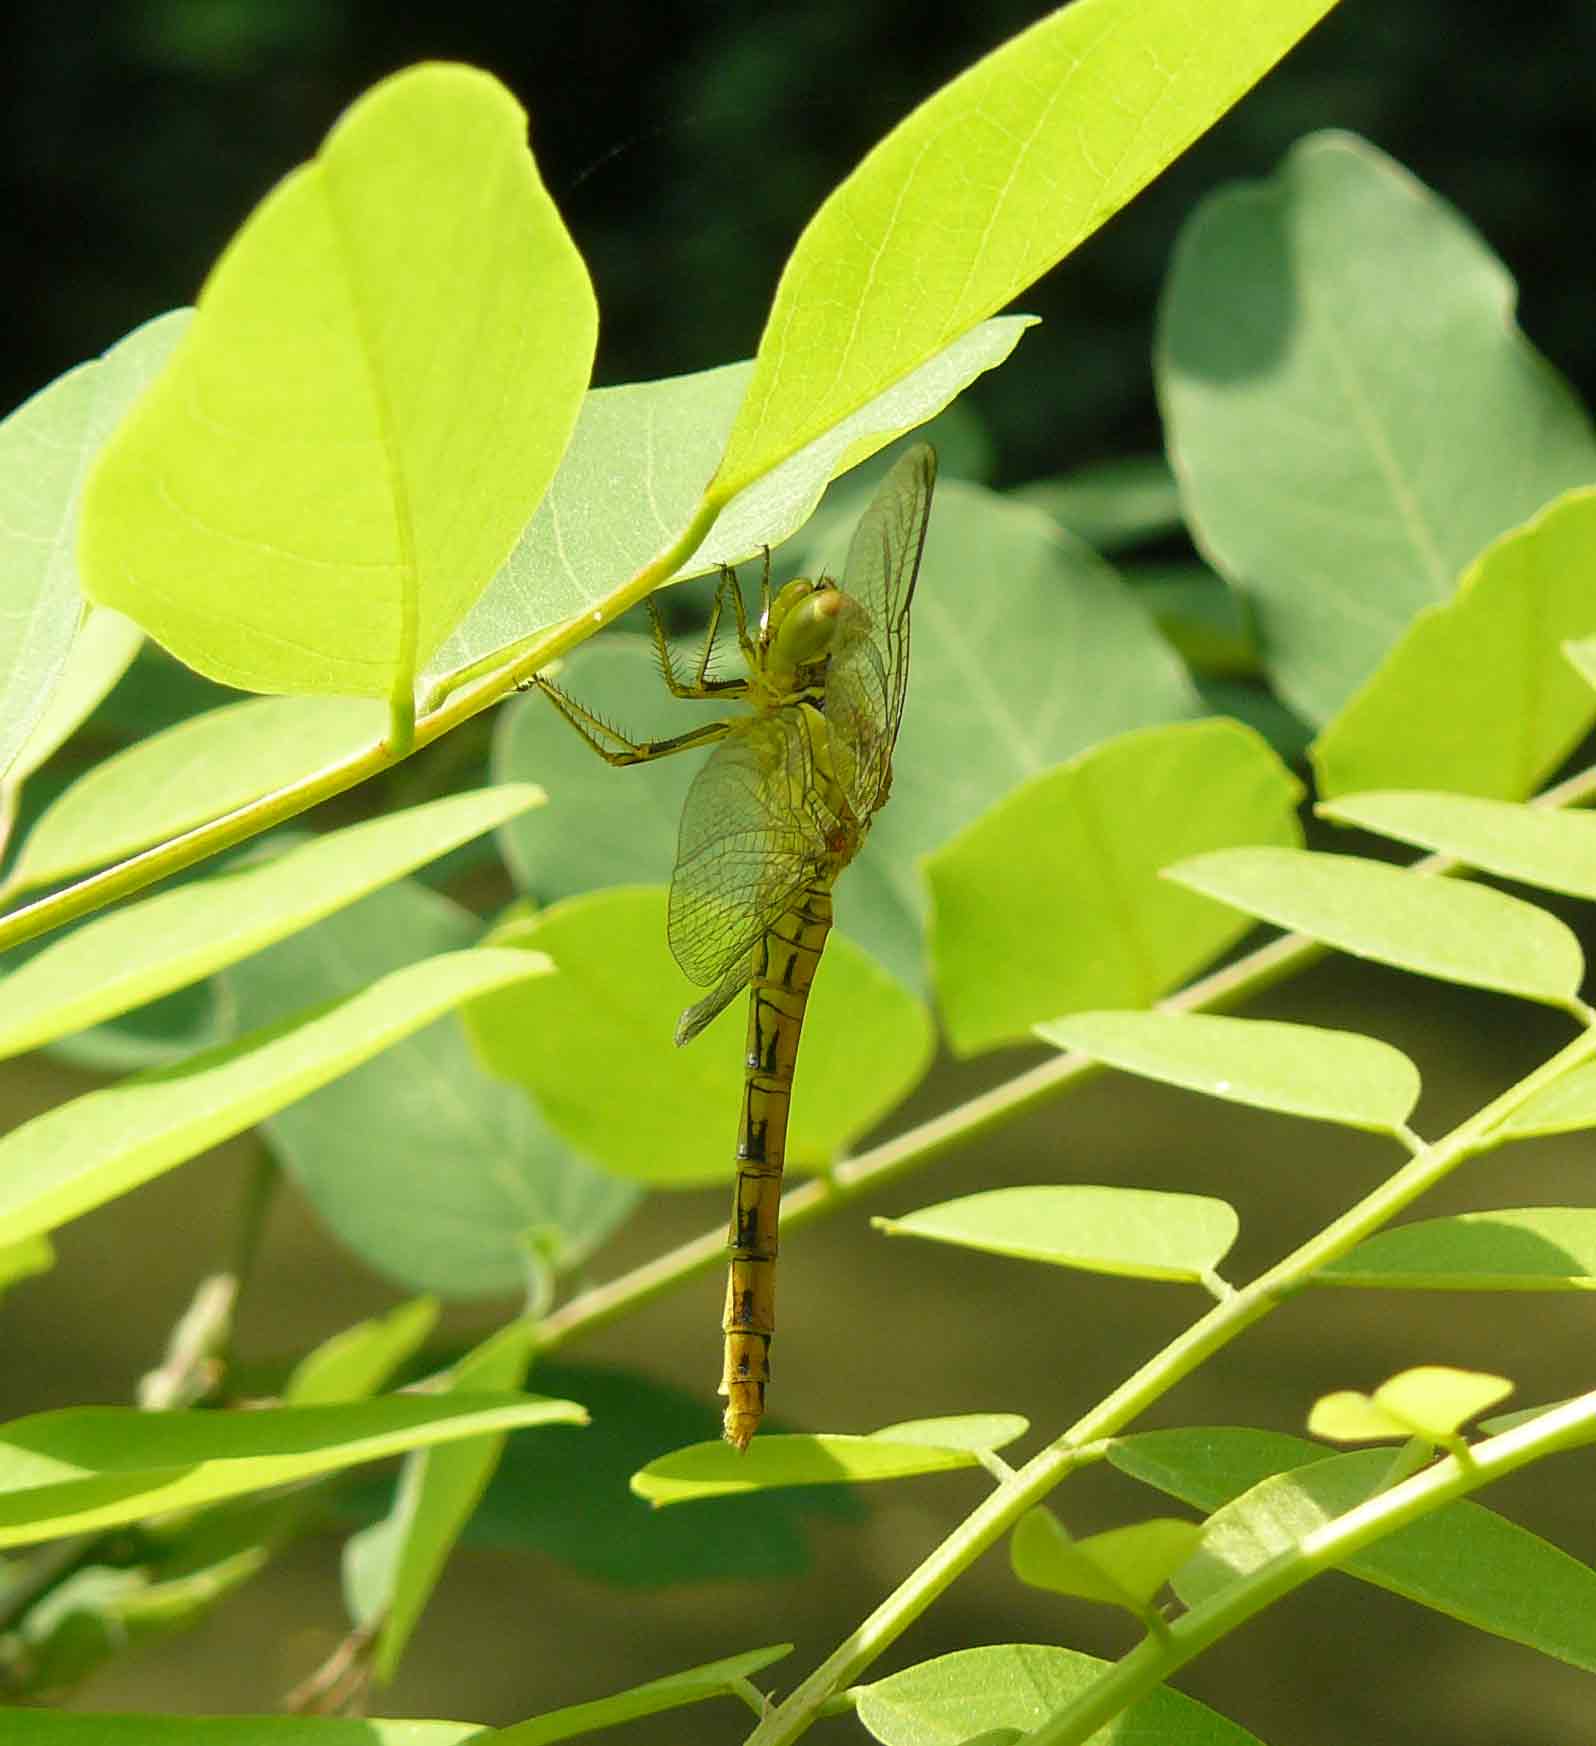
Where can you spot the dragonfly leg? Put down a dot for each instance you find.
(744, 641)
(613, 746)
(701, 686)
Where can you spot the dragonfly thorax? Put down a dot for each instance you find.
(795, 638)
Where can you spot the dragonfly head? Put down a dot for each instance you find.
(797, 631)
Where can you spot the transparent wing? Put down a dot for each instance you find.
(869, 668)
(753, 835)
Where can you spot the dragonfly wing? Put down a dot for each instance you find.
(754, 834)
(869, 668)
(702, 1012)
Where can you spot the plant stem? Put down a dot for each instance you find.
(238, 826)
(1206, 1336)
(1568, 1426)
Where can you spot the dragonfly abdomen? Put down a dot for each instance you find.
(784, 967)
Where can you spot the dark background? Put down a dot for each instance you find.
(686, 146)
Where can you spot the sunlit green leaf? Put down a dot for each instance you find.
(46, 448)
(544, 1502)
(1136, 1232)
(382, 374)
(1353, 413)
(1554, 850)
(101, 653)
(89, 1468)
(1431, 1401)
(635, 472)
(1446, 708)
(356, 1362)
(24, 1260)
(1052, 902)
(693, 1685)
(135, 954)
(597, 1052)
(1465, 1560)
(967, 1431)
(204, 767)
(1564, 1106)
(955, 1698)
(86, 1152)
(1124, 1567)
(1537, 1248)
(980, 190)
(1435, 927)
(1334, 1076)
(772, 1461)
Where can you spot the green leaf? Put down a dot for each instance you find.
(1112, 505)
(580, 1513)
(597, 1052)
(1432, 1401)
(32, 1727)
(188, 775)
(975, 1431)
(691, 1686)
(89, 1468)
(948, 1701)
(355, 1363)
(84, 1153)
(1028, 649)
(1563, 1107)
(1202, 618)
(489, 1201)
(1581, 656)
(156, 1035)
(1059, 657)
(1434, 927)
(1124, 1567)
(135, 954)
(979, 191)
(634, 475)
(609, 827)
(392, 1567)
(101, 653)
(1330, 1076)
(1554, 850)
(1464, 1560)
(382, 374)
(46, 448)
(1352, 411)
(1137, 1233)
(717, 1470)
(1536, 1248)
(1477, 697)
(1052, 901)
(25, 1260)
(100, 1611)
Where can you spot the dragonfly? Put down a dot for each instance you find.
(779, 809)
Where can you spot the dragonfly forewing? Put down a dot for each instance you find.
(868, 674)
(755, 832)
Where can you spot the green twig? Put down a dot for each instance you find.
(1569, 1426)
(140, 871)
(1208, 1335)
